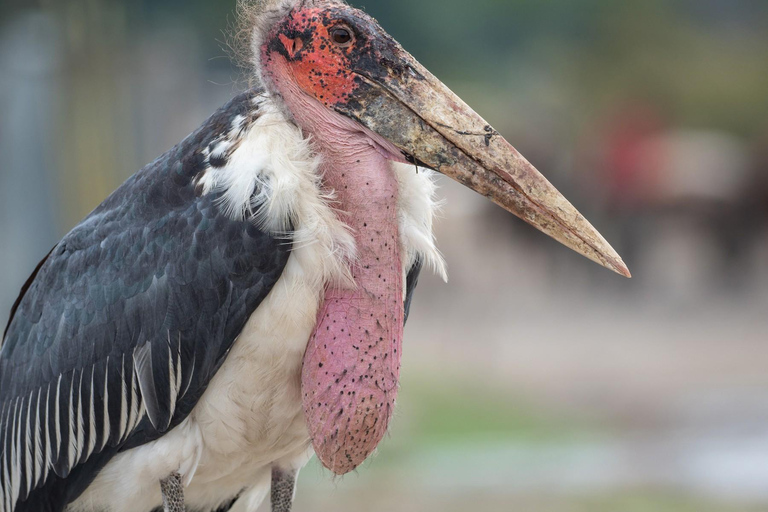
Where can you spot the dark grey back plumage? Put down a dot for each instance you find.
(139, 303)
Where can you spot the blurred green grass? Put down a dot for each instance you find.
(438, 410)
(368, 500)
(438, 413)
(458, 444)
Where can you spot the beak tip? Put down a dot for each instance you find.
(617, 265)
(624, 271)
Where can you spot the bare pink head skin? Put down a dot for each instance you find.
(365, 102)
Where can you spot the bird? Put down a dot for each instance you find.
(237, 306)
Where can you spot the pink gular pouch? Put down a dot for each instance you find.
(352, 363)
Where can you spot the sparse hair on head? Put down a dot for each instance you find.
(255, 20)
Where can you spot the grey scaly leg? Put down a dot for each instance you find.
(173, 494)
(283, 486)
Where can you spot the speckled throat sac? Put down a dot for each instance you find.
(352, 364)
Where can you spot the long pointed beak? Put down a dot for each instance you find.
(406, 104)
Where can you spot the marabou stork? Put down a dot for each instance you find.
(238, 305)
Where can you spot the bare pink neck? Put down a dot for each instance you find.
(352, 363)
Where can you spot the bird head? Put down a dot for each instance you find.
(340, 58)
(333, 65)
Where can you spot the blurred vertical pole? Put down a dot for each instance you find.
(94, 142)
(29, 60)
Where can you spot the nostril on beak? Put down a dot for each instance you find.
(292, 45)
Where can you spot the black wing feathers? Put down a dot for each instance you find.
(412, 280)
(23, 292)
(120, 330)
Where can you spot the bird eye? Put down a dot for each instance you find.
(341, 36)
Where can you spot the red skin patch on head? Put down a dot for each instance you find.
(319, 66)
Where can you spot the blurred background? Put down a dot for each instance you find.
(534, 380)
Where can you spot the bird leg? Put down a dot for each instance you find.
(173, 494)
(283, 486)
